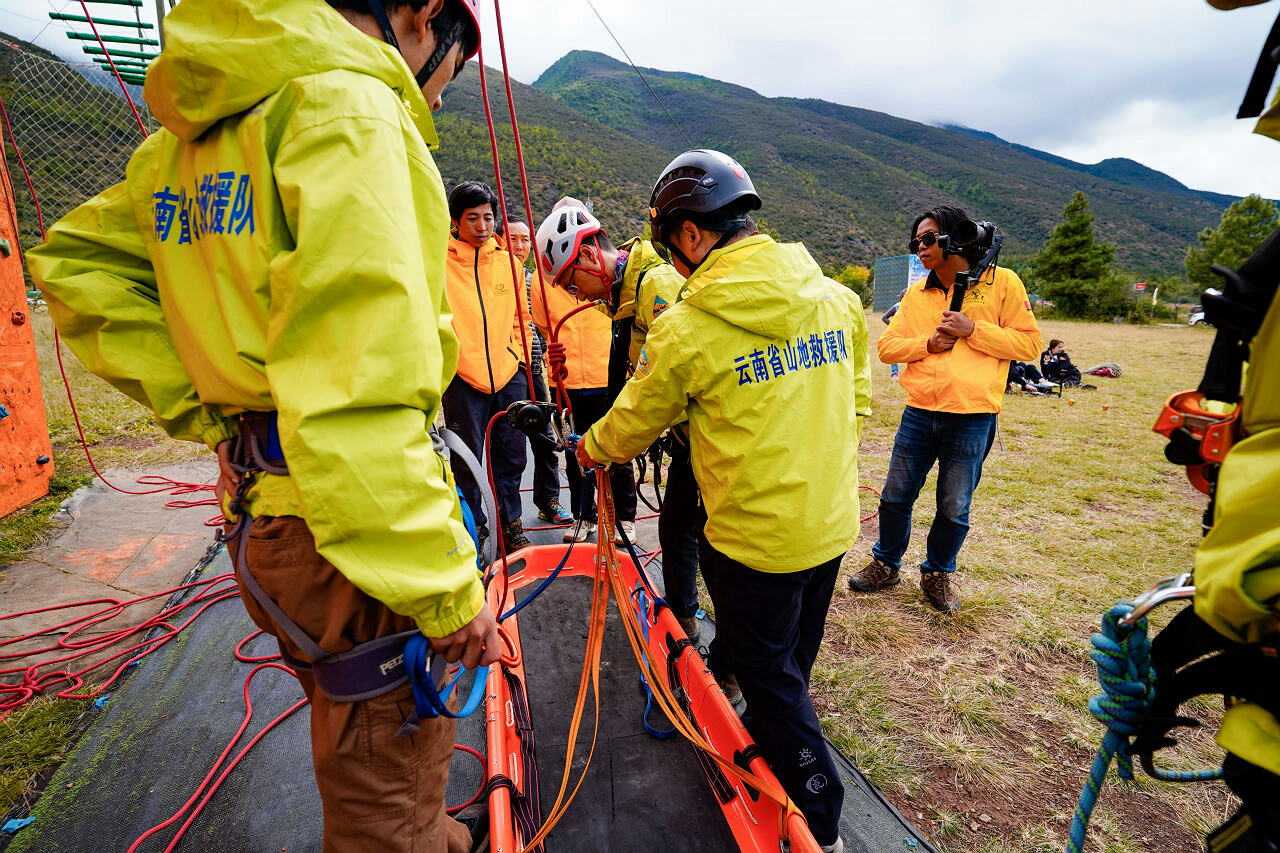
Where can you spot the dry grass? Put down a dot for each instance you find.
(953, 717)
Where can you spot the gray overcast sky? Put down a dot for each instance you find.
(1157, 81)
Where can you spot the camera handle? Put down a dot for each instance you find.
(975, 273)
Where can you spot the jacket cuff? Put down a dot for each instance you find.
(594, 450)
(454, 613)
(221, 429)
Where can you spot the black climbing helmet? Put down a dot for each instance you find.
(695, 186)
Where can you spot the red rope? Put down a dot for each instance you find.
(34, 682)
(209, 782)
(176, 488)
(114, 70)
(561, 393)
(502, 204)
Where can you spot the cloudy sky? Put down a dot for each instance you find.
(1158, 81)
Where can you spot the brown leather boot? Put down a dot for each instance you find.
(692, 628)
(939, 590)
(513, 537)
(876, 575)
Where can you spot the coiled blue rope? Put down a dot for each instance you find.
(1123, 657)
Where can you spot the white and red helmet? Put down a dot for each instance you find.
(472, 8)
(561, 234)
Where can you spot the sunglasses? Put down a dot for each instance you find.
(926, 239)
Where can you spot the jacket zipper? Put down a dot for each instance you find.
(484, 324)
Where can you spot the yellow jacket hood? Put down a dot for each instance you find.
(753, 298)
(212, 67)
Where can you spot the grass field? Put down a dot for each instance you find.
(975, 726)
(984, 713)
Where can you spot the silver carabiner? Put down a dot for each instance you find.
(1169, 589)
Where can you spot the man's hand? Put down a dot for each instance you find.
(940, 341)
(955, 324)
(556, 358)
(475, 643)
(228, 477)
(584, 459)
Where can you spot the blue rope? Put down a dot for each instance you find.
(1123, 657)
(639, 598)
(431, 702)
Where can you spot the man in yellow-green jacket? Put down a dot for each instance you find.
(768, 360)
(637, 285)
(278, 248)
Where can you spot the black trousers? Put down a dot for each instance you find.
(467, 412)
(589, 407)
(768, 630)
(679, 528)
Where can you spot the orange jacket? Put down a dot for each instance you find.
(488, 312)
(586, 336)
(970, 377)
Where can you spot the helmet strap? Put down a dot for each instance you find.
(449, 29)
(380, 14)
(719, 244)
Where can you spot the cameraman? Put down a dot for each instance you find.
(956, 365)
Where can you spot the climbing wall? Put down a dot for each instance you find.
(25, 460)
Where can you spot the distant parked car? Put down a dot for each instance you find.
(1196, 317)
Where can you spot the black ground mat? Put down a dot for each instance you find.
(638, 786)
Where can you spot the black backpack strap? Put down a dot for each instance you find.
(1255, 97)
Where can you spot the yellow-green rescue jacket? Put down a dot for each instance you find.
(1237, 571)
(650, 286)
(280, 245)
(769, 360)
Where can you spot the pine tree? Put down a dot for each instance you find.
(1245, 224)
(1073, 268)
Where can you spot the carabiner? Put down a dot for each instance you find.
(1169, 589)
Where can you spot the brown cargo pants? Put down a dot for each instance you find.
(380, 793)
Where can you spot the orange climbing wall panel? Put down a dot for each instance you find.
(25, 456)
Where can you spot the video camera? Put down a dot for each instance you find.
(977, 242)
(969, 238)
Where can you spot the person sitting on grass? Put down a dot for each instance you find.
(1023, 376)
(1057, 365)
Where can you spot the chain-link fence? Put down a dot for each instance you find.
(74, 128)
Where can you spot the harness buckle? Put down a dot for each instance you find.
(1174, 588)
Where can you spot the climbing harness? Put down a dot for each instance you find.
(369, 669)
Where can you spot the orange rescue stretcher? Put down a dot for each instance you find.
(760, 816)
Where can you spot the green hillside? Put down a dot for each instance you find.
(565, 152)
(848, 181)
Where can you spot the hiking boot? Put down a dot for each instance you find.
(555, 513)
(584, 532)
(513, 537)
(876, 575)
(627, 527)
(940, 592)
(837, 847)
(732, 692)
(692, 628)
(476, 819)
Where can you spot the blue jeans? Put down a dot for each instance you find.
(959, 444)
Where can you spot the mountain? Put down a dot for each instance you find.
(845, 181)
(1121, 170)
(848, 181)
